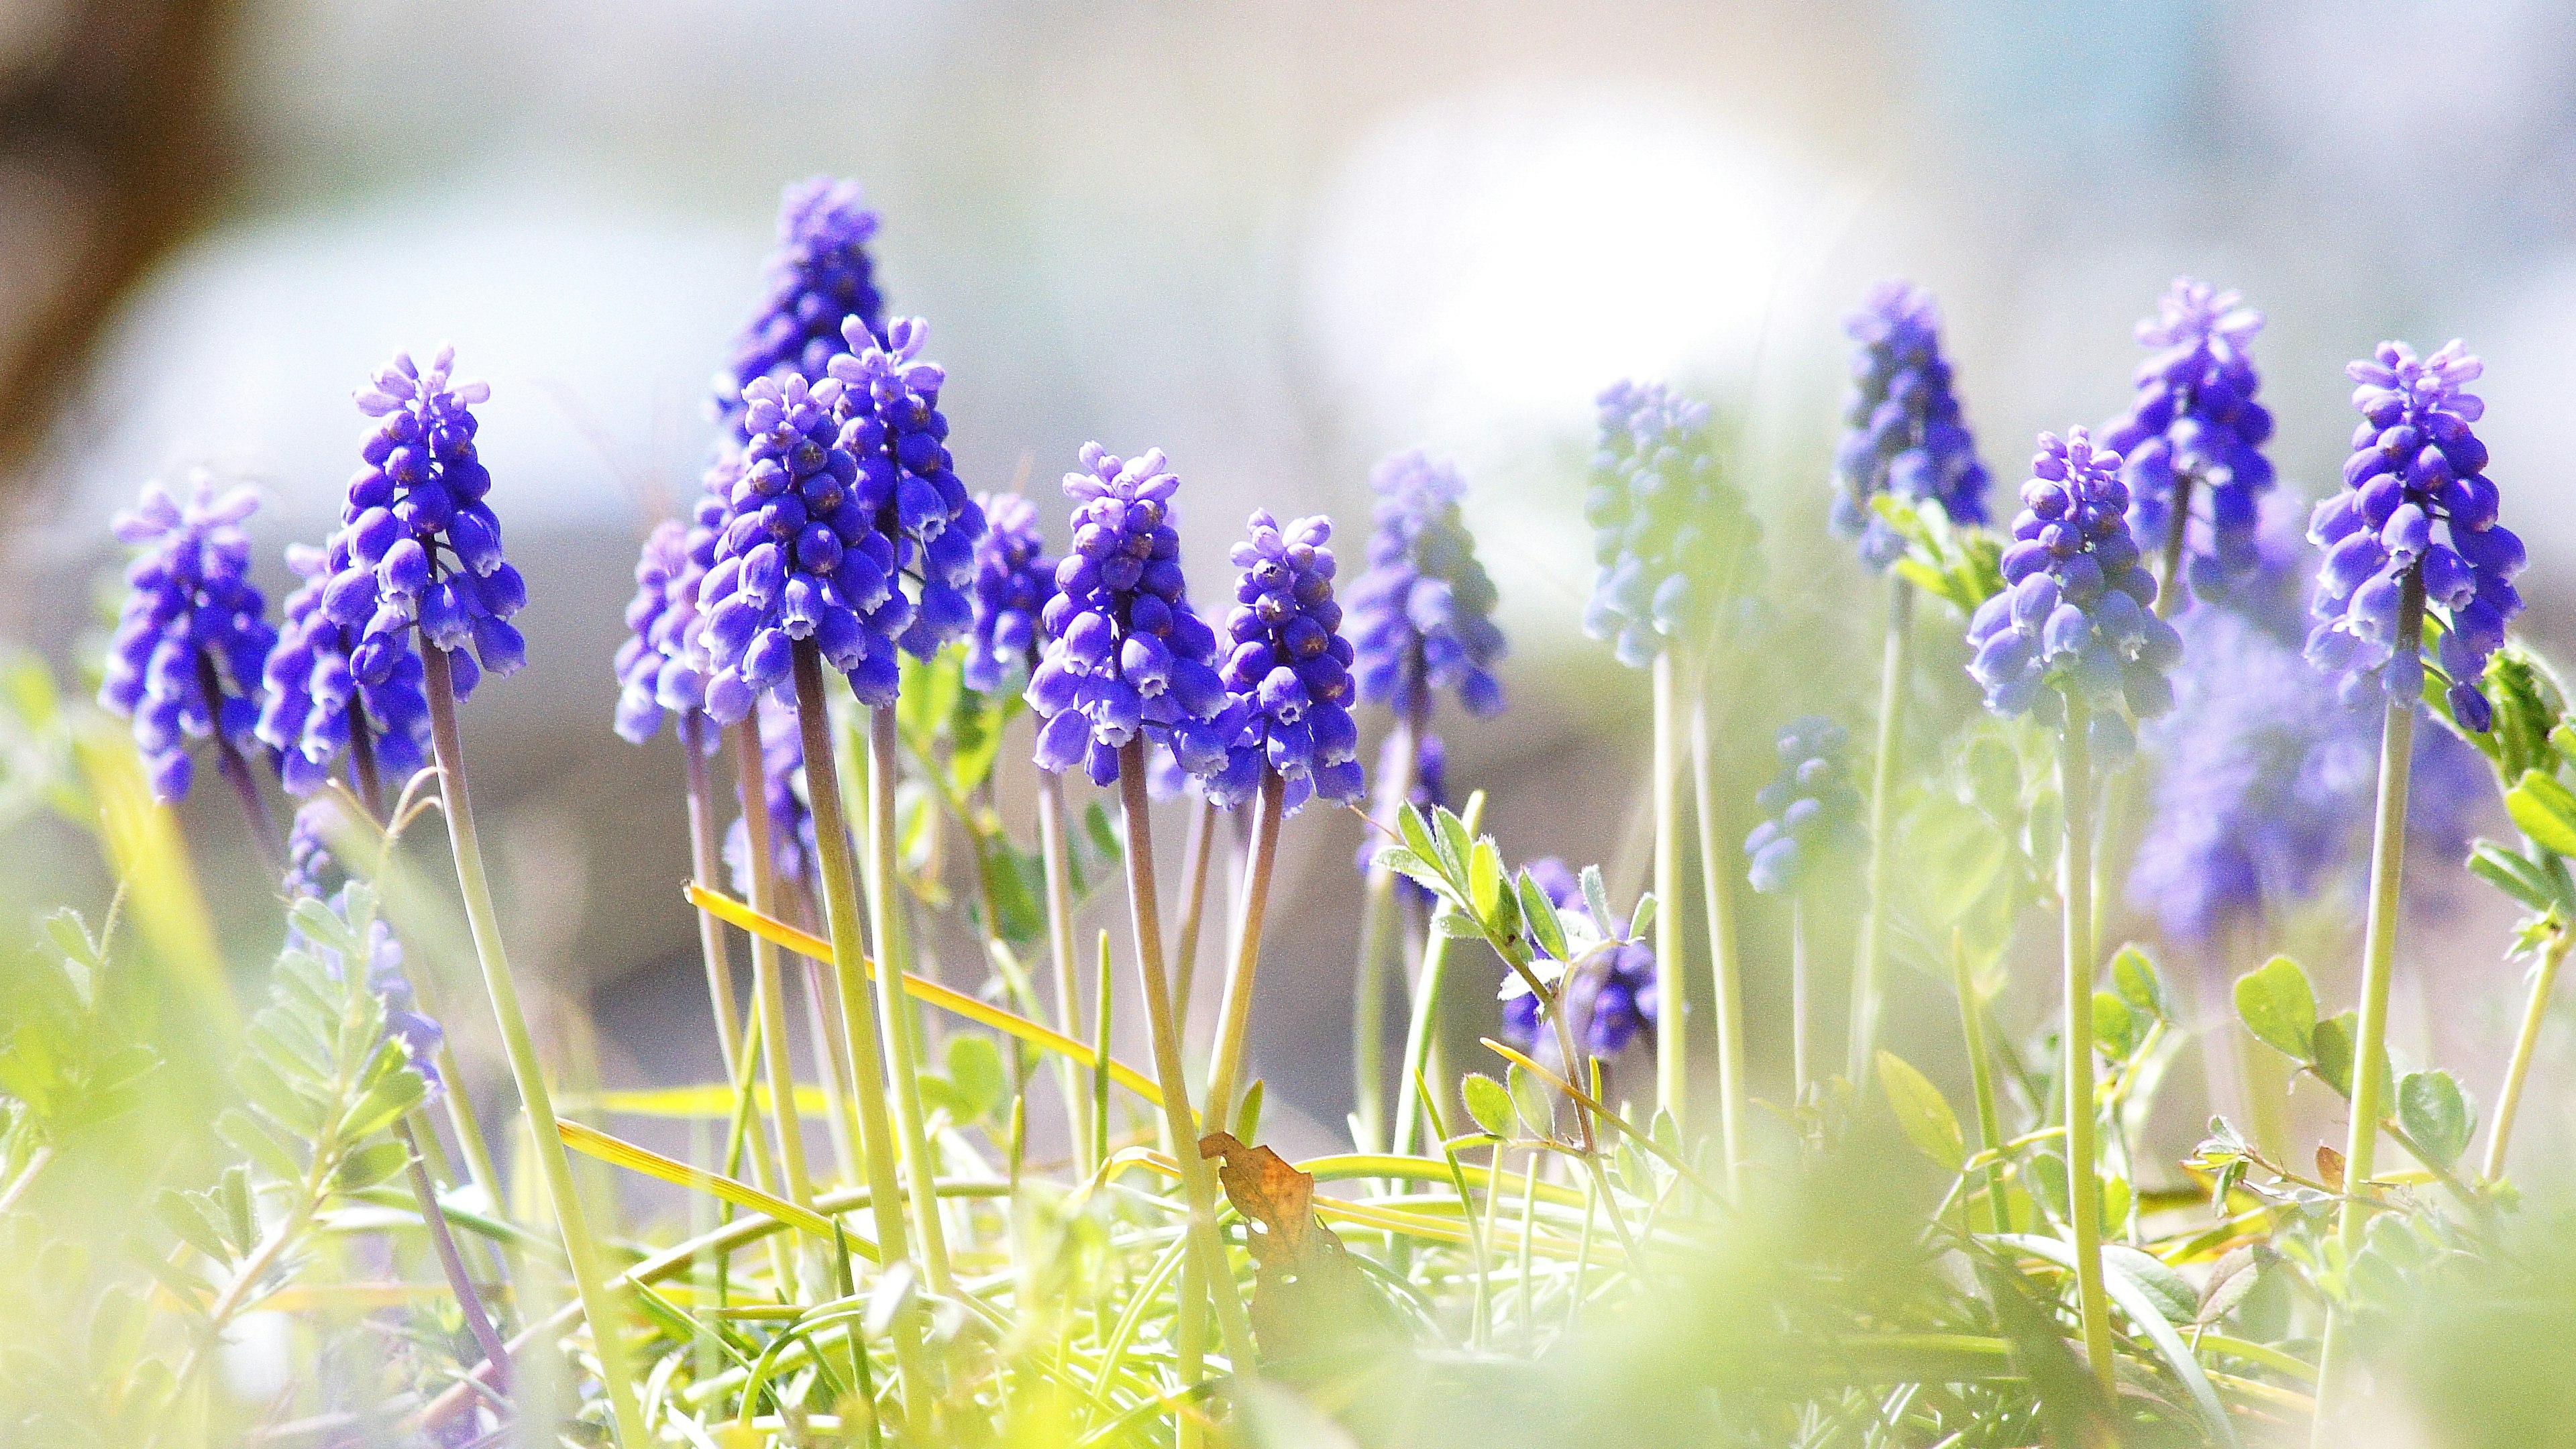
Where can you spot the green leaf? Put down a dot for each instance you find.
(1453, 925)
(2134, 976)
(1247, 1116)
(1489, 1102)
(371, 1165)
(1533, 1099)
(248, 1136)
(1921, 1111)
(1540, 913)
(2278, 1005)
(1416, 833)
(2115, 1026)
(2544, 810)
(1105, 840)
(2437, 1114)
(241, 1217)
(1484, 879)
(387, 1100)
(1596, 898)
(195, 1222)
(282, 1103)
(2172, 1293)
(975, 1070)
(1449, 833)
(2509, 871)
(2334, 1042)
(1642, 920)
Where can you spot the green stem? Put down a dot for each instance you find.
(237, 773)
(1053, 844)
(2169, 585)
(1672, 1021)
(552, 1160)
(2378, 968)
(1200, 849)
(2525, 1046)
(1234, 1013)
(2075, 889)
(1206, 1261)
(1981, 1079)
(1798, 1057)
(1377, 937)
(1717, 891)
(1423, 1025)
(768, 992)
(706, 863)
(894, 1010)
(1894, 671)
(451, 1262)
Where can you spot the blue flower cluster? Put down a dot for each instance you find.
(2072, 619)
(1422, 614)
(1125, 655)
(193, 634)
(656, 663)
(312, 873)
(2415, 464)
(1906, 436)
(417, 544)
(1287, 671)
(1672, 539)
(1014, 578)
(820, 276)
(317, 700)
(1813, 808)
(2195, 429)
(1611, 990)
(845, 493)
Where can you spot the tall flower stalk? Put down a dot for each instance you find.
(1675, 547)
(1812, 818)
(2416, 464)
(2071, 640)
(1906, 439)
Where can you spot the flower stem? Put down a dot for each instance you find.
(2075, 890)
(2169, 586)
(1053, 844)
(1981, 1078)
(1672, 1021)
(1198, 1191)
(705, 861)
(1798, 1059)
(1377, 942)
(451, 1262)
(1200, 850)
(1717, 892)
(894, 1012)
(2378, 967)
(236, 771)
(1894, 671)
(1234, 1014)
(1420, 1028)
(2525, 1046)
(552, 1160)
(768, 992)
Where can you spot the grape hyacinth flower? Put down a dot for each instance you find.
(2195, 429)
(1422, 614)
(417, 544)
(1287, 670)
(1613, 987)
(820, 276)
(1014, 578)
(193, 634)
(2073, 620)
(318, 706)
(1906, 436)
(2415, 464)
(656, 668)
(1673, 540)
(1125, 655)
(1813, 809)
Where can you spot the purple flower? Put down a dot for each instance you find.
(417, 544)
(313, 681)
(1014, 578)
(890, 421)
(820, 276)
(1125, 655)
(791, 821)
(193, 635)
(1906, 437)
(2415, 464)
(1287, 670)
(2196, 432)
(2072, 619)
(1813, 810)
(1421, 615)
(312, 874)
(1610, 988)
(657, 663)
(1673, 540)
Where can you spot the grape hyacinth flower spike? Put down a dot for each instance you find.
(319, 708)
(191, 640)
(1675, 546)
(1014, 578)
(2411, 540)
(820, 276)
(2195, 433)
(1812, 816)
(656, 670)
(418, 548)
(1288, 728)
(1907, 437)
(1612, 986)
(2070, 641)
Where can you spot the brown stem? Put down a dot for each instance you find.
(1234, 1014)
(452, 1262)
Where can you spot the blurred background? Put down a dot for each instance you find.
(1280, 241)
